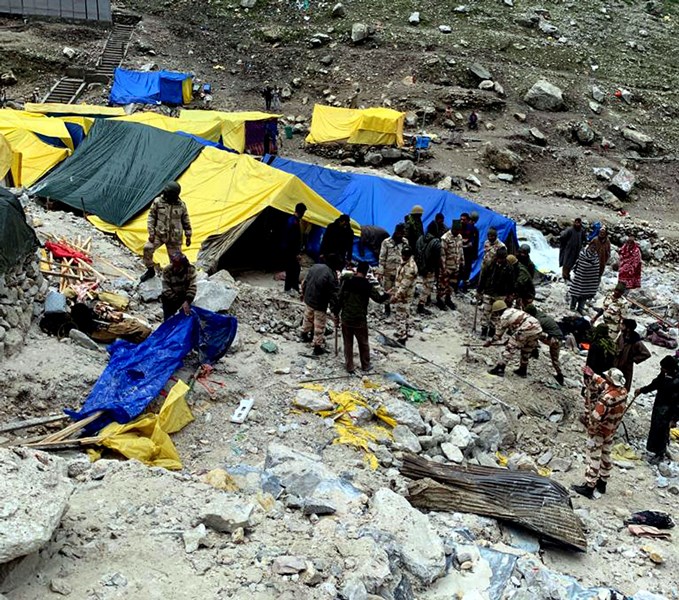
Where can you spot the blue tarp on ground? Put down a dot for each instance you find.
(136, 373)
(372, 200)
(147, 87)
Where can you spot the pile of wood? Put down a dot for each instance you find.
(521, 497)
(60, 440)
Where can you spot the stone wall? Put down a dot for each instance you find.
(22, 288)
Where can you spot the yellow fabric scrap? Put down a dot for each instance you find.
(221, 480)
(115, 300)
(622, 451)
(502, 460)
(6, 156)
(31, 157)
(147, 438)
(674, 434)
(314, 387)
(371, 385)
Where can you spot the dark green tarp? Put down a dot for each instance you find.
(17, 238)
(118, 169)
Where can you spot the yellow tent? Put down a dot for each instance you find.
(209, 130)
(224, 193)
(11, 120)
(31, 157)
(371, 126)
(232, 123)
(6, 156)
(85, 110)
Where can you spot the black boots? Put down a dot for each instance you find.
(440, 304)
(421, 310)
(559, 378)
(450, 304)
(307, 336)
(498, 369)
(150, 273)
(601, 486)
(584, 490)
(522, 371)
(387, 310)
(319, 351)
(484, 332)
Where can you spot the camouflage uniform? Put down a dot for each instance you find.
(402, 296)
(167, 221)
(452, 263)
(178, 287)
(614, 312)
(315, 320)
(390, 261)
(525, 332)
(604, 420)
(489, 251)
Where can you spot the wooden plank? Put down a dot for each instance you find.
(26, 423)
(65, 444)
(73, 428)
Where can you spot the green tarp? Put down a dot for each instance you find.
(17, 238)
(118, 169)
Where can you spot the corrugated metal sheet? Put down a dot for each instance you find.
(522, 497)
(80, 10)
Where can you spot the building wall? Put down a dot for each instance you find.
(81, 10)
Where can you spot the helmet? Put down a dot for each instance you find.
(499, 305)
(524, 248)
(511, 259)
(172, 189)
(417, 210)
(616, 377)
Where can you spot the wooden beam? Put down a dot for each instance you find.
(25, 424)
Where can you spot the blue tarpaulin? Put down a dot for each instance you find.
(147, 87)
(136, 373)
(372, 200)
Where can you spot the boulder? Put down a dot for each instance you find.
(445, 29)
(595, 107)
(502, 159)
(359, 32)
(404, 439)
(150, 290)
(404, 168)
(480, 72)
(34, 494)
(537, 136)
(8, 78)
(226, 514)
(545, 96)
(338, 11)
(194, 538)
(313, 401)
(414, 18)
(598, 94)
(546, 27)
(452, 452)
(583, 133)
(486, 84)
(461, 437)
(373, 158)
(288, 565)
(643, 141)
(622, 183)
(217, 292)
(82, 339)
(69, 52)
(416, 543)
(405, 414)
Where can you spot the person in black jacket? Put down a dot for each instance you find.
(665, 408)
(428, 259)
(354, 297)
(470, 247)
(292, 247)
(497, 282)
(319, 291)
(338, 239)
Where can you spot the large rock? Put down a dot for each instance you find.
(217, 292)
(150, 290)
(34, 493)
(622, 183)
(545, 96)
(404, 439)
(502, 159)
(480, 72)
(417, 544)
(405, 414)
(584, 133)
(359, 32)
(645, 142)
(404, 168)
(226, 514)
(461, 437)
(338, 11)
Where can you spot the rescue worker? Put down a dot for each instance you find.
(319, 291)
(179, 285)
(390, 260)
(525, 332)
(452, 263)
(354, 297)
(490, 247)
(440, 222)
(470, 246)
(338, 240)
(630, 351)
(414, 227)
(524, 258)
(428, 259)
(613, 310)
(403, 293)
(167, 222)
(371, 239)
(603, 422)
(524, 288)
(496, 283)
(293, 242)
(552, 336)
(571, 242)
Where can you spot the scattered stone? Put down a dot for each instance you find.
(506, 177)
(150, 290)
(546, 27)
(626, 95)
(603, 173)
(288, 565)
(313, 401)
(502, 159)
(269, 347)
(480, 72)
(622, 183)
(82, 339)
(69, 52)
(486, 85)
(114, 580)
(498, 88)
(562, 465)
(643, 141)
(598, 94)
(445, 29)
(225, 514)
(194, 538)
(538, 137)
(473, 179)
(595, 107)
(545, 96)
(461, 437)
(216, 293)
(404, 168)
(359, 33)
(326, 60)
(414, 18)
(60, 586)
(8, 78)
(404, 439)
(373, 158)
(545, 458)
(452, 452)
(417, 544)
(338, 11)
(248, 3)
(584, 133)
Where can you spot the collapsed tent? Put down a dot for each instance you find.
(17, 238)
(209, 130)
(118, 169)
(51, 131)
(56, 109)
(151, 87)
(371, 126)
(31, 158)
(241, 131)
(372, 200)
(136, 374)
(225, 193)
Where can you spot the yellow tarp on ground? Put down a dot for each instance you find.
(223, 190)
(87, 110)
(6, 156)
(209, 130)
(147, 438)
(31, 157)
(11, 120)
(371, 126)
(232, 123)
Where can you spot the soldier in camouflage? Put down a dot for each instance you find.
(403, 292)
(390, 260)
(179, 285)
(452, 264)
(525, 332)
(613, 311)
(168, 221)
(497, 282)
(490, 247)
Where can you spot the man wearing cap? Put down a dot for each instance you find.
(602, 423)
(428, 260)
(630, 351)
(470, 245)
(613, 310)
(524, 288)
(496, 283)
(452, 263)
(179, 285)
(390, 260)
(490, 247)
(167, 222)
(523, 256)
(552, 336)
(525, 332)
(403, 292)
(414, 227)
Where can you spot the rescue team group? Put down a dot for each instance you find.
(441, 260)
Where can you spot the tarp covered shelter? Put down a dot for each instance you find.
(50, 130)
(31, 158)
(6, 157)
(17, 238)
(372, 200)
(225, 193)
(240, 131)
(57, 109)
(118, 169)
(209, 130)
(151, 87)
(371, 126)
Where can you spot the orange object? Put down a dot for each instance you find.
(584, 346)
